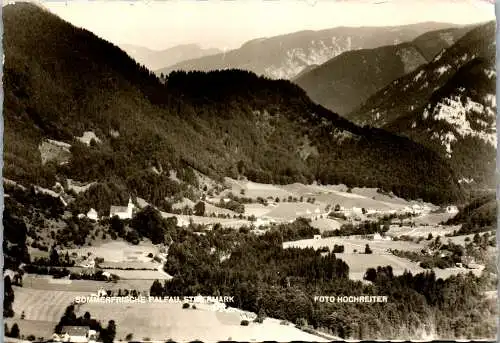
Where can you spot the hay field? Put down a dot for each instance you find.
(257, 210)
(421, 231)
(359, 263)
(326, 224)
(163, 321)
(433, 218)
(118, 251)
(350, 244)
(87, 286)
(254, 189)
(43, 305)
(324, 194)
(129, 264)
(30, 327)
(236, 223)
(140, 274)
(159, 321)
(292, 210)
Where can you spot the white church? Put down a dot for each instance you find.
(123, 212)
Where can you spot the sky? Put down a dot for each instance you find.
(227, 24)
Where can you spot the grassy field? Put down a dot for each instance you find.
(324, 194)
(129, 264)
(358, 244)
(292, 210)
(157, 321)
(433, 218)
(43, 305)
(118, 251)
(37, 328)
(326, 224)
(421, 231)
(170, 321)
(461, 239)
(208, 220)
(359, 263)
(88, 286)
(139, 274)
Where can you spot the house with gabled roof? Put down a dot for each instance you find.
(77, 334)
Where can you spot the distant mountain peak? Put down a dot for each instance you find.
(155, 59)
(287, 55)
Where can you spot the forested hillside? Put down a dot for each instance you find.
(346, 81)
(61, 81)
(448, 105)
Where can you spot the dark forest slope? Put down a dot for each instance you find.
(61, 81)
(346, 81)
(448, 105)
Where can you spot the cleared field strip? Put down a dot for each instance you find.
(359, 263)
(351, 244)
(208, 220)
(421, 231)
(140, 274)
(118, 251)
(87, 286)
(434, 218)
(326, 224)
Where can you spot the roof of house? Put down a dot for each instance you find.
(75, 330)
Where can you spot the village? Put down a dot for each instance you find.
(118, 269)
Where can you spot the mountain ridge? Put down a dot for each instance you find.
(156, 59)
(449, 105)
(344, 82)
(285, 56)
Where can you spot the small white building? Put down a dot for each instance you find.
(92, 214)
(451, 209)
(378, 237)
(77, 334)
(123, 212)
(88, 264)
(317, 237)
(182, 222)
(357, 210)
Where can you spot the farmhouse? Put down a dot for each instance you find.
(378, 237)
(87, 137)
(317, 237)
(92, 214)
(123, 212)
(81, 334)
(182, 221)
(88, 264)
(263, 221)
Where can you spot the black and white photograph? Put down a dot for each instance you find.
(249, 170)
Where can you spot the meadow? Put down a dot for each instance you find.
(353, 243)
(163, 321)
(155, 321)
